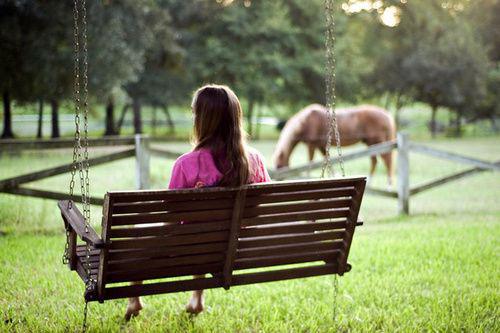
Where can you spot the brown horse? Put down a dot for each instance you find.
(366, 123)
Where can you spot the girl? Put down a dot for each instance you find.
(220, 158)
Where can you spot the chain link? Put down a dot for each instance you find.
(335, 296)
(332, 116)
(76, 96)
(330, 92)
(80, 162)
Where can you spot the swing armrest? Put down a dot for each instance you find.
(75, 219)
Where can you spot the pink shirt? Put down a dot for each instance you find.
(197, 169)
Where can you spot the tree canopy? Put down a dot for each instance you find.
(443, 53)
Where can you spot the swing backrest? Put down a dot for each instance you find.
(227, 233)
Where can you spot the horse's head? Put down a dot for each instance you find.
(280, 159)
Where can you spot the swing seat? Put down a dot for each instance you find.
(226, 236)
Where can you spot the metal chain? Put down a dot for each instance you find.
(85, 184)
(335, 296)
(332, 116)
(330, 91)
(81, 162)
(76, 96)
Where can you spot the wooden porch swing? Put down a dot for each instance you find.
(237, 236)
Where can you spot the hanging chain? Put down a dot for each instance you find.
(335, 296)
(330, 92)
(77, 146)
(332, 116)
(85, 184)
(80, 162)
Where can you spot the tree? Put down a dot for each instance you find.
(158, 81)
(119, 35)
(17, 21)
(434, 58)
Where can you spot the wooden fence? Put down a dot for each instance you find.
(139, 147)
(403, 190)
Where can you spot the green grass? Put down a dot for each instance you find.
(436, 270)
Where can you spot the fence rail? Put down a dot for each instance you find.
(143, 152)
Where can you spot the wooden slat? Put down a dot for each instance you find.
(290, 228)
(352, 220)
(220, 192)
(446, 179)
(37, 175)
(75, 218)
(149, 242)
(173, 195)
(162, 251)
(376, 149)
(239, 204)
(294, 186)
(82, 271)
(288, 249)
(163, 273)
(300, 195)
(162, 288)
(175, 206)
(284, 274)
(451, 156)
(135, 265)
(103, 258)
(296, 207)
(43, 194)
(245, 243)
(80, 250)
(200, 216)
(291, 217)
(23, 144)
(171, 229)
(247, 263)
(93, 259)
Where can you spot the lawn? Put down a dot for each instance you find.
(436, 270)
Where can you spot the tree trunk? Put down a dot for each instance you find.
(153, 122)
(397, 115)
(250, 116)
(257, 125)
(433, 121)
(39, 132)
(110, 117)
(169, 119)
(136, 107)
(387, 101)
(458, 124)
(7, 118)
(55, 118)
(122, 118)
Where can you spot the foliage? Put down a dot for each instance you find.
(443, 53)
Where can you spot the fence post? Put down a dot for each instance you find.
(142, 156)
(403, 173)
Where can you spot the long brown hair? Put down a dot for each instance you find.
(218, 127)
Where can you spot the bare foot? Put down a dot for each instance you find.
(196, 303)
(133, 308)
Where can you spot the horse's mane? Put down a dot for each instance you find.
(286, 136)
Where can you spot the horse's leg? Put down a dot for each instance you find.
(134, 305)
(373, 165)
(311, 150)
(387, 157)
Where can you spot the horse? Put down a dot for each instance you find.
(366, 123)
